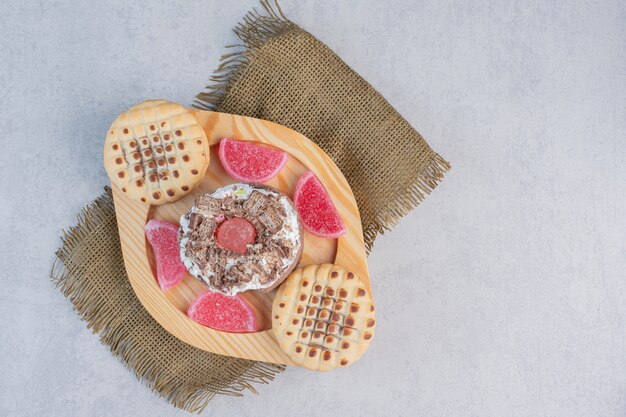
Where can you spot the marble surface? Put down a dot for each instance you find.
(504, 294)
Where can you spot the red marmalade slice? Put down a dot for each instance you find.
(317, 211)
(223, 312)
(250, 163)
(163, 238)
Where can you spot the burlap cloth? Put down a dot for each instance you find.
(283, 74)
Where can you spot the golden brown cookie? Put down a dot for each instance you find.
(156, 152)
(323, 317)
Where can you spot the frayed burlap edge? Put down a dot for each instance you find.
(238, 376)
(406, 201)
(257, 29)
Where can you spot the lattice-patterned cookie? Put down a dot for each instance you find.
(156, 152)
(323, 317)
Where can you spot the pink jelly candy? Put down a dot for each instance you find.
(235, 234)
(317, 211)
(163, 237)
(250, 163)
(222, 312)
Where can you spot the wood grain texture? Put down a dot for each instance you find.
(169, 308)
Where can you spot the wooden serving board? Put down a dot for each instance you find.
(169, 308)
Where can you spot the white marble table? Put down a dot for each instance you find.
(504, 294)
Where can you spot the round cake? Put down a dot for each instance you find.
(241, 237)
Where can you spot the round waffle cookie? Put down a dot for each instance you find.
(156, 152)
(323, 317)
